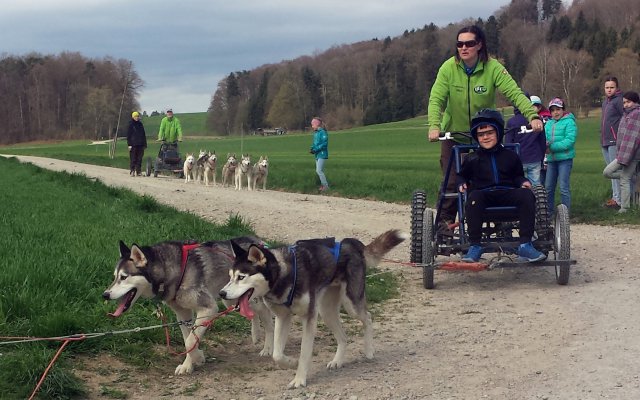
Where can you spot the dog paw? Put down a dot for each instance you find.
(185, 368)
(334, 364)
(297, 382)
(266, 352)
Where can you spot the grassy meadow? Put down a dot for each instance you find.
(385, 162)
(193, 124)
(59, 234)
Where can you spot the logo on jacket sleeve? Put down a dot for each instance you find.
(480, 89)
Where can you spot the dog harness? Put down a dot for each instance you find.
(335, 250)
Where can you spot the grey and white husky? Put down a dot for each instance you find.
(260, 172)
(310, 277)
(187, 277)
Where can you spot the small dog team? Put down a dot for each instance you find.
(310, 278)
(204, 168)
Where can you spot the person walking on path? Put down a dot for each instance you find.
(137, 142)
(612, 111)
(320, 149)
(628, 149)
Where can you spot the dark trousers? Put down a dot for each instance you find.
(135, 158)
(523, 199)
(449, 209)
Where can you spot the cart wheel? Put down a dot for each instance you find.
(148, 167)
(155, 169)
(428, 249)
(562, 243)
(543, 222)
(418, 205)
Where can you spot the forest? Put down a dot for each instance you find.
(550, 50)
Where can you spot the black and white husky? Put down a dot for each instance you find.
(311, 277)
(187, 277)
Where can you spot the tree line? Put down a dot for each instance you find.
(549, 50)
(65, 96)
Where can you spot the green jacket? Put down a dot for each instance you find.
(460, 96)
(170, 129)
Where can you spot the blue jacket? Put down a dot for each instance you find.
(320, 146)
(561, 136)
(532, 145)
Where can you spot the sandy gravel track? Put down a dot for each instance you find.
(510, 334)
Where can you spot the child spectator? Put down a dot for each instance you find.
(532, 146)
(628, 149)
(561, 132)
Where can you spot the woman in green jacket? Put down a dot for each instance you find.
(465, 84)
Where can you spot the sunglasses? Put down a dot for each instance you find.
(468, 43)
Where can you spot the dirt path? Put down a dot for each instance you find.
(510, 334)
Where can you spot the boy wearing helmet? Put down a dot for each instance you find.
(492, 176)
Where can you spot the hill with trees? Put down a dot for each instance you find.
(551, 51)
(65, 96)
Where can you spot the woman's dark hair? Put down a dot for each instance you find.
(483, 53)
(612, 79)
(631, 95)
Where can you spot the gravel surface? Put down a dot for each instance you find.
(502, 334)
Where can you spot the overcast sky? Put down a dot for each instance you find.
(182, 49)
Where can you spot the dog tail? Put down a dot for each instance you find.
(374, 251)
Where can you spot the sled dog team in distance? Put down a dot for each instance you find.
(241, 172)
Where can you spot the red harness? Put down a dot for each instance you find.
(186, 248)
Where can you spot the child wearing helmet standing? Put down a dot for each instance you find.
(493, 176)
(561, 132)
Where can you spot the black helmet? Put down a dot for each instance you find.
(487, 116)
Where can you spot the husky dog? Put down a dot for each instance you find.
(312, 276)
(188, 168)
(200, 165)
(210, 168)
(187, 277)
(229, 169)
(260, 172)
(244, 171)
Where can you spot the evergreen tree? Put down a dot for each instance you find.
(258, 103)
(492, 33)
(550, 8)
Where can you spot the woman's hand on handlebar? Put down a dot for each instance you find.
(434, 134)
(537, 125)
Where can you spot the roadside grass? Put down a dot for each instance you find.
(385, 162)
(59, 234)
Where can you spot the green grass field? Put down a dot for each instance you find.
(193, 124)
(59, 234)
(384, 162)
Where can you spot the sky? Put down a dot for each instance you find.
(182, 49)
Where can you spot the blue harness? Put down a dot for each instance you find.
(335, 250)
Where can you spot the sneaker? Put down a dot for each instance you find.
(323, 188)
(611, 203)
(473, 254)
(528, 253)
(446, 228)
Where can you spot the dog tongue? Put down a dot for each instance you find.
(121, 308)
(245, 308)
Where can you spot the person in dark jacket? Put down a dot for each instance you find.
(137, 142)
(532, 146)
(612, 112)
(493, 176)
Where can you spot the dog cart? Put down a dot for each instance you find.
(167, 161)
(499, 225)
